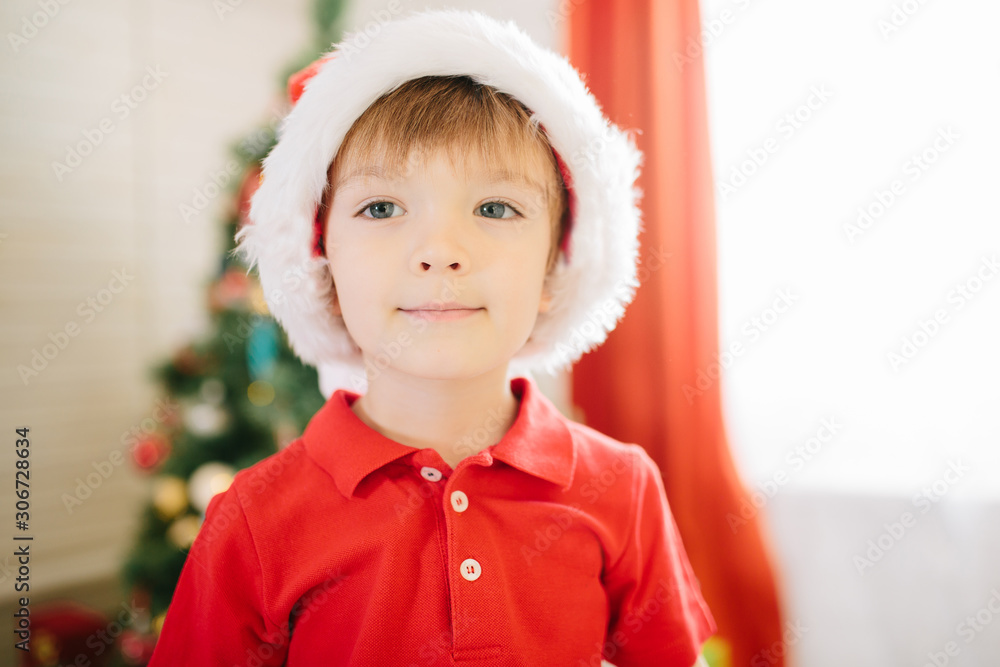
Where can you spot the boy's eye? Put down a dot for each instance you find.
(497, 209)
(382, 209)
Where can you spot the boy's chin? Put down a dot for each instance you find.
(439, 364)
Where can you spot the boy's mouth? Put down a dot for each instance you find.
(439, 312)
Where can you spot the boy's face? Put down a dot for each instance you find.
(439, 271)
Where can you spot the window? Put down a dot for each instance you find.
(855, 152)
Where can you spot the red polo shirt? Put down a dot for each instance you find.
(554, 546)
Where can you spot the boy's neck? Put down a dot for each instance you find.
(456, 418)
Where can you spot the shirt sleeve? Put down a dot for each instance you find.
(216, 616)
(657, 614)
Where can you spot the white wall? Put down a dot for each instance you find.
(542, 19)
(63, 236)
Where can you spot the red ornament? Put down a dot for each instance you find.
(231, 289)
(141, 598)
(137, 648)
(66, 632)
(188, 362)
(151, 451)
(251, 181)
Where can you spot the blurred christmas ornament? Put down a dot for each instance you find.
(207, 480)
(257, 301)
(157, 623)
(45, 648)
(251, 181)
(150, 452)
(137, 648)
(260, 393)
(205, 419)
(169, 496)
(140, 597)
(183, 531)
(65, 632)
(231, 290)
(262, 349)
(213, 391)
(140, 601)
(717, 652)
(187, 361)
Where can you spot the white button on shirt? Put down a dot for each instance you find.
(470, 569)
(430, 474)
(459, 501)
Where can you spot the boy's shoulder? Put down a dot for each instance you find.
(591, 449)
(283, 481)
(598, 454)
(597, 445)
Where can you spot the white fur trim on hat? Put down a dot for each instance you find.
(590, 291)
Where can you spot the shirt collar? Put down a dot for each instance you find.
(538, 443)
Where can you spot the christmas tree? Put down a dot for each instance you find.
(233, 397)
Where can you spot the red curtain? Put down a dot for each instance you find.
(642, 61)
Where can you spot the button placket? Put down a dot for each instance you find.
(465, 596)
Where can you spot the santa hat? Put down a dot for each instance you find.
(595, 277)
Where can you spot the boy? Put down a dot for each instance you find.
(442, 203)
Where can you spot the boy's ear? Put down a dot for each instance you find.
(546, 302)
(335, 304)
(334, 299)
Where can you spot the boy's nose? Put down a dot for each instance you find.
(441, 250)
